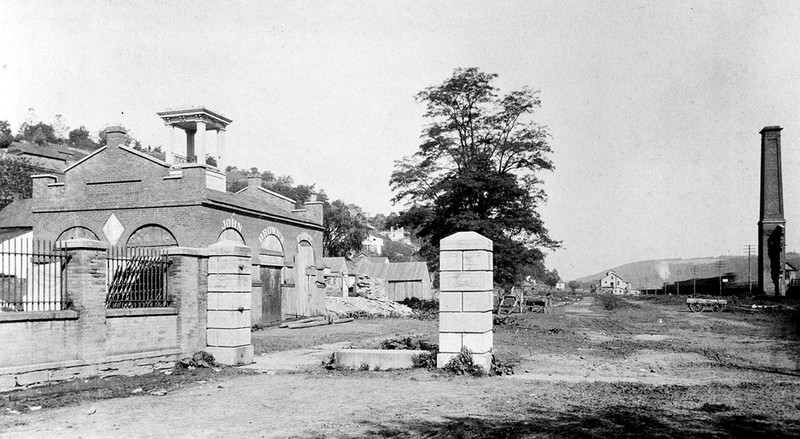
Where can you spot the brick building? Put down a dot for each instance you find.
(123, 197)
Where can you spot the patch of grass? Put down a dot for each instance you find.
(611, 302)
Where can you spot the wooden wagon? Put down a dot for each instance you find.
(700, 305)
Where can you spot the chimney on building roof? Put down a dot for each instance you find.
(254, 181)
(116, 136)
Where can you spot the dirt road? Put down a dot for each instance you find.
(650, 370)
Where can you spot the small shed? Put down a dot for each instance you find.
(403, 279)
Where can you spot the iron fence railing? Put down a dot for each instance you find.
(137, 278)
(32, 275)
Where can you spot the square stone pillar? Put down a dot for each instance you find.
(169, 150)
(200, 143)
(221, 161)
(86, 272)
(229, 290)
(465, 298)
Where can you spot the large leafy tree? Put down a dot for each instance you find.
(344, 232)
(5, 134)
(478, 169)
(15, 179)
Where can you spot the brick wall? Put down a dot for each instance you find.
(134, 334)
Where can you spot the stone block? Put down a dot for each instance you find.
(229, 282)
(479, 343)
(464, 281)
(228, 319)
(477, 260)
(39, 376)
(450, 302)
(376, 359)
(475, 322)
(465, 241)
(482, 360)
(223, 337)
(232, 356)
(228, 265)
(478, 301)
(450, 342)
(7, 382)
(228, 249)
(450, 261)
(229, 301)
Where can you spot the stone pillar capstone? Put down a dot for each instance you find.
(229, 290)
(466, 298)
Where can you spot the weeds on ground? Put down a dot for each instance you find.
(463, 364)
(412, 343)
(611, 302)
(423, 309)
(426, 360)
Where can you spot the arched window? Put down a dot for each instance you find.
(152, 236)
(77, 233)
(231, 234)
(272, 245)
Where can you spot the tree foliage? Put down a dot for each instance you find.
(477, 169)
(15, 179)
(38, 133)
(344, 231)
(81, 138)
(5, 134)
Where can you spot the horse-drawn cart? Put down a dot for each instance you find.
(700, 305)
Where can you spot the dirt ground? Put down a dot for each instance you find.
(591, 368)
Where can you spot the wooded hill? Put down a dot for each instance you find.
(653, 273)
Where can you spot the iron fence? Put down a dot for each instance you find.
(137, 278)
(32, 275)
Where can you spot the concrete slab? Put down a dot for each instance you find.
(296, 360)
(376, 359)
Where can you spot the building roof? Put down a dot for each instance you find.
(50, 150)
(395, 271)
(17, 214)
(336, 264)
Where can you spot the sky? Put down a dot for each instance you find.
(654, 108)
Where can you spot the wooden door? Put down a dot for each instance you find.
(305, 259)
(270, 295)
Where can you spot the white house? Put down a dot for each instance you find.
(614, 284)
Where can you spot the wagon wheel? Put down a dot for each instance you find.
(695, 307)
(718, 307)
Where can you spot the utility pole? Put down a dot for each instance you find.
(749, 248)
(694, 280)
(677, 282)
(720, 264)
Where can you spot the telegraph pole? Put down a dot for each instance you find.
(749, 249)
(677, 282)
(720, 264)
(694, 280)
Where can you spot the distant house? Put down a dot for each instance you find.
(560, 286)
(373, 243)
(613, 284)
(403, 279)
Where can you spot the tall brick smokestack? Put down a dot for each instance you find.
(116, 136)
(771, 224)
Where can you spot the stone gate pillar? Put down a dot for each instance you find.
(465, 298)
(229, 290)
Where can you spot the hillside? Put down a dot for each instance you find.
(653, 273)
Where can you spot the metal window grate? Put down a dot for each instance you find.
(32, 275)
(137, 278)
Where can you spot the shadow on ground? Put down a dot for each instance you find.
(711, 421)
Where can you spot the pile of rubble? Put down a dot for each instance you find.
(370, 288)
(363, 307)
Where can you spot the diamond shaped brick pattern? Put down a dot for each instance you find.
(113, 229)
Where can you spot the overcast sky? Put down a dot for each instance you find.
(654, 107)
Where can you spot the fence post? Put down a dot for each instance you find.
(465, 298)
(86, 272)
(229, 290)
(188, 289)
